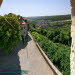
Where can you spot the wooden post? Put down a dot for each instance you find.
(1, 2)
(72, 55)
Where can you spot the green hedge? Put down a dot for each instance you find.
(59, 54)
(9, 33)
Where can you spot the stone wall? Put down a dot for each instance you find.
(72, 55)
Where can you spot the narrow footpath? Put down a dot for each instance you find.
(25, 60)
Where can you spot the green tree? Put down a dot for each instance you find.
(9, 33)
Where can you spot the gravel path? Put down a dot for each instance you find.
(25, 60)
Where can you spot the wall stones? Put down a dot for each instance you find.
(72, 55)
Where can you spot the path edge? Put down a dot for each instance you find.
(51, 65)
(57, 72)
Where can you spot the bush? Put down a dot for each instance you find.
(59, 54)
(9, 33)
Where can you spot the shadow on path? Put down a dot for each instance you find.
(10, 65)
(29, 38)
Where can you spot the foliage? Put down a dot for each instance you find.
(58, 32)
(59, 54)
(9, 33)
(54, 38)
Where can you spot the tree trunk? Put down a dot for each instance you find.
(1, 2)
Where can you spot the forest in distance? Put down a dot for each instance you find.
(54, 37)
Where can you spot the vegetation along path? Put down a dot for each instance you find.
(25, 61)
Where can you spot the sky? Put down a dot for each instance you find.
(35, 7)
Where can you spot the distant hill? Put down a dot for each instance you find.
(50, 18)
(54, 21)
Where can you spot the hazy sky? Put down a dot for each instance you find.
(35, 7)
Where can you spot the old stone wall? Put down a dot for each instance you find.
(72, 55)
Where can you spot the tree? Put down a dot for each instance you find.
(9, 33)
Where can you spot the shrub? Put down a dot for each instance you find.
(59, 54)
(9, 33)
